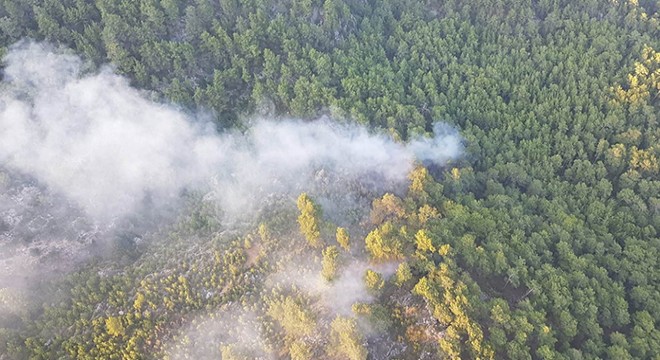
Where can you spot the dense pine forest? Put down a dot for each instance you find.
(540, 241)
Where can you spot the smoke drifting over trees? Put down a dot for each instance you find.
(99, 154)
(109, 148)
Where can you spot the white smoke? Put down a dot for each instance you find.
(109, 148)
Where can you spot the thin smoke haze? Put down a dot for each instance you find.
(107, 147)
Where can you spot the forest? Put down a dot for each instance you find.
(539, 241)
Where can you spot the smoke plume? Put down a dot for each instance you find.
(111, 150)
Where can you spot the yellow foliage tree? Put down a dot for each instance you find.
(114, 326)
(388, 207)
(329, 263)
(343, 239)
(309, 220)
(346, 340)
(382, 243)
